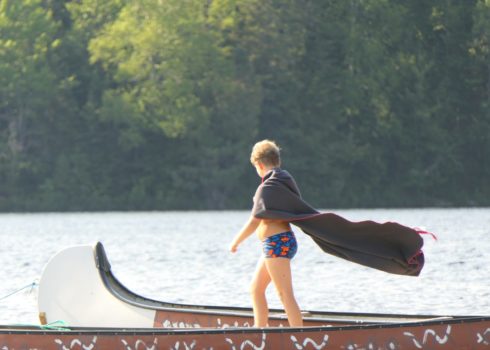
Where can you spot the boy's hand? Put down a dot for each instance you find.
(233, 247)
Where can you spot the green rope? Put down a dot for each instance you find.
(58, 325)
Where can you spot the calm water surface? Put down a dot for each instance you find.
(183, 257)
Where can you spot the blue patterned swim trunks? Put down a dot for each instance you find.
(281, 245)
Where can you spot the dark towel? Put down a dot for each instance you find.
(389, 247)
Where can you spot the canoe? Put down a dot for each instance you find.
(78, 287)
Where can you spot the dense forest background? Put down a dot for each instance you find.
(155, 104)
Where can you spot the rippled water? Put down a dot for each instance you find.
(183, 257)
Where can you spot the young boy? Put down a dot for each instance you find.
(278, 242)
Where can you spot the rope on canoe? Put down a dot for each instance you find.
(30, 285)
(58, 325)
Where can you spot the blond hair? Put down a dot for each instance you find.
(267, 152)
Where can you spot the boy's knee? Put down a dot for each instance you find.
(284, 295)
(256, 289)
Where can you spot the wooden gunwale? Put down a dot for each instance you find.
(239, 330)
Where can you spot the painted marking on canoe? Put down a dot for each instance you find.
(77, 344)
(427, 333)
(484, 337)
(248, 343)
(179, 324)
(221, 324)
(140, 344)
(186, 347)
(372, 345)
(307, 341)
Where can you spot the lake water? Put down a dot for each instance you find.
(183, 257)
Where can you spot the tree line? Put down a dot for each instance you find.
(155, 104)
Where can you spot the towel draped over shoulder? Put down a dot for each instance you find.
(389, 246)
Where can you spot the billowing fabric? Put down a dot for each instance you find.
(281, 245)
(389, 246)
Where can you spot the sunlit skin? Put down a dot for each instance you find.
(277, 270)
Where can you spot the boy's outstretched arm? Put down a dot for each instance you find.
(249, 228)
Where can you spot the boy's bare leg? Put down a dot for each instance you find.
(258, 287)
(280, 272)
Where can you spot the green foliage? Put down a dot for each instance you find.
(28, 90)
(150, 104)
